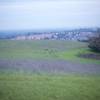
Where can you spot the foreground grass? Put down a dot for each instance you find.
(17, 86)
(28, 86)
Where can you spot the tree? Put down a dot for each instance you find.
(94, 42)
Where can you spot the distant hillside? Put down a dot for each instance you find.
(75, 34)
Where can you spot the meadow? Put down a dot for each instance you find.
(47, 70)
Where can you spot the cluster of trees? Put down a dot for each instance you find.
(94, 42)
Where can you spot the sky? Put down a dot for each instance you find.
(45, 14)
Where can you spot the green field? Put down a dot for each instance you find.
(44, 49)
(49, 87)
(19, 83)
(37, 49)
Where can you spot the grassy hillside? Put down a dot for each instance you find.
(44, 50)
(44, 70)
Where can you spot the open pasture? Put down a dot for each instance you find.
(47, 70)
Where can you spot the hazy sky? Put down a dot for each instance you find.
(41, 14)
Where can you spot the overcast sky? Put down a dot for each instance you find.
(42, 14)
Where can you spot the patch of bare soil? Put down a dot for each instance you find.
(90, 56)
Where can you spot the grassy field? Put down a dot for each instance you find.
(36, 49)
(49, 87)
(44, 49)
(19, 83)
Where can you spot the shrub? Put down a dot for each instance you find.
(94, 43)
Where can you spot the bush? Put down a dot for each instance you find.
(94, 43)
